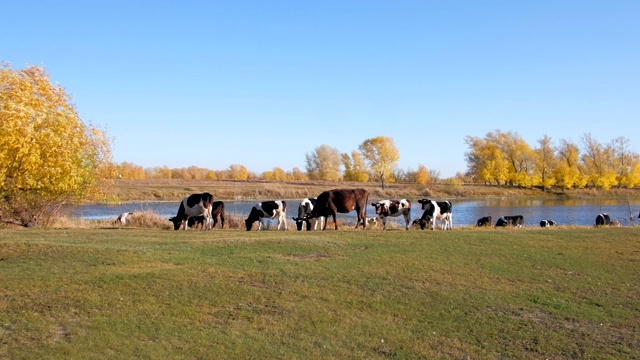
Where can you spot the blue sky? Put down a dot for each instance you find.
(261, 83)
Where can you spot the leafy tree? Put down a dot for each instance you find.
(567, 172)
(518, 154)
(382, 156)
(422, 175)
(323, 163)
(355, 168)
(49, 156)
(545, 162)
(598, 163)
(238, 172)
(486, 162)
(298, 175)
(626, 163)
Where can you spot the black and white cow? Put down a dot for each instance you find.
(268, 209)
(123, 219)
(304, 209)
(217, 214)
(193, 205)
(436, 211)
(512, 220)
(547, 223)
(603, 219)
(393, 208)
(484, 221)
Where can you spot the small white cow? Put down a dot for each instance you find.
(393, 208)
(268, 209)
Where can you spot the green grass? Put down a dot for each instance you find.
(151, 294)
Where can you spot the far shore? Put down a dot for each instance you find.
(125, 190)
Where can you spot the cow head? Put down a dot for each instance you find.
(176, 222)
(300, 221)
(382, 207)
(248, 223)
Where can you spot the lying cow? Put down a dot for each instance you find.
(603, 219)
(217, 214)
(393, 208)
(123, 219)
(547, 223)
(372, 221)
(484, 221)
(304, 209)
(193, 205)
(343, 201)
(436, 211)
(268, 209)
(513, 220)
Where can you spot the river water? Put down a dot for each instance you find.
(465, 212)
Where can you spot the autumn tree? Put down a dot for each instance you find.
(298, 175)
(49, 156)
(545, 162)
(598, 163)
(238, 172)
(382, 156)
(422, 175)
(567, 172)
(626, 163)
(518, 155)
(323, 163)
(355, 167)
(486, 162)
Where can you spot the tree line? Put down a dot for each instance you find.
(506, 158)
(375, 160)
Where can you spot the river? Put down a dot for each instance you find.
(465, 212)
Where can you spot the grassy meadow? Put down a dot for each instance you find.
(148, 293)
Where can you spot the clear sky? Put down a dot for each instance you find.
(261, 83)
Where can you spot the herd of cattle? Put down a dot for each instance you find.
(199, 210)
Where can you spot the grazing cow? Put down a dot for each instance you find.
(217, 214)
(193, 205)
(270, 210)
(123, 218)
(343, 201)
(306, 205)
(436, 211)
(603, 219)
(484, 221)
(393, 208)
(513, 220)
(547, 223)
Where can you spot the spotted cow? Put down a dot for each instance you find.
(393, 208)
(268, 209)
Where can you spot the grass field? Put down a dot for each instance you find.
(132, 293)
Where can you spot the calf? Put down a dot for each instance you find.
(270, 210)
(372, 221)
(343, 201)
(123, 219)
(217, 214)
(393, 208)
(603, 219)
(436, 211)
(615, 223)
(484, 221)
(304, 209)
(193, 205)
(547, 223)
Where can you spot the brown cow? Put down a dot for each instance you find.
(341, 201)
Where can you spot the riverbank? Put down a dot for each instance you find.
(170, 190)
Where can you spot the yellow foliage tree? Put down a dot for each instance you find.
(49, 156)
(382, 156)
(355, 168)
(422, 175)
(567, 171)
(323, 163)
(598, 163)
(626, 163)
(298, 175)
(545, 162)
(238, 172)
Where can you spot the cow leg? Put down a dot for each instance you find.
(407, 220)
(384, 223)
